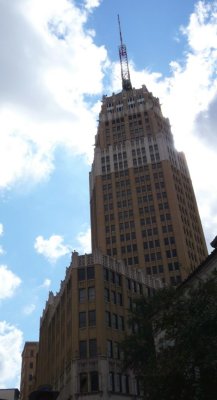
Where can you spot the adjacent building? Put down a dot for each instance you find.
(28, 369)
(9, 394)
(82, 327)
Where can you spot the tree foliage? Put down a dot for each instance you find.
(172, 347)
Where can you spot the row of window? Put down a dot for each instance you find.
(130, 248)
(113, 296)
(88, 349)
(128, 236)
(153, 256)
(131, 260)
(118, 383)
(138, 152)
(86, 294)
(122, 193)
(86, 273)
(134, 286)
(122, 183)
(155, 269)
(112, 276)
(126, 225)
(151, 244)
(114, 321)
(113, 350)
(157, 256)
(87, 318)
(89, 382)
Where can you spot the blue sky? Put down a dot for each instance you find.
(58, 57)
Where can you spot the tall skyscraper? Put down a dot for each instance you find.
(143, 207)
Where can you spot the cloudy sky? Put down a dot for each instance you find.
(57, 59)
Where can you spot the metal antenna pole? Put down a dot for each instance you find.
(125, 74)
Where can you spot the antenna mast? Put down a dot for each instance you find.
(125, 74)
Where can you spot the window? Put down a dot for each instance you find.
(92, 318)
(115, 321)
(109, 349)
(94, 381)
(106, 294)
(82, 295)
(168, 254)
(30, 377)
(111, 381)
(174, 253)
(116, 350)
(147, 257)
(108, 318)
(91, 293)
(170, 266)
(82, 319)
(121, 322)
(113, 296)
(166, 241)
(118, 279)
(118, 383)
(81, 274)
(130, 303)
(160, 269)
(90, 273)
(119, 299)
(176, 265)
(128, 284)
(83, 349)
(148, 269)
(154, 269)
(106, 274)
(83, 382)
(31, 365)
(112, 276)
(125, 384)
(92, 348)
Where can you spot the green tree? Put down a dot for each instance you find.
(173, 344)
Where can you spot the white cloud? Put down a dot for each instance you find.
(44, 80)
(52, 248)
(89, 4)
(1, 233)
(11, 340)
(9, 282)
(46, 283)
(29, 309)
(84, 241)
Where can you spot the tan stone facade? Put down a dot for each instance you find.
(83, 325)
(143, 207)
(29, 356)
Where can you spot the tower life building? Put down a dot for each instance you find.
(143, 207)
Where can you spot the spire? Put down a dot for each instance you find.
(125, 74)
